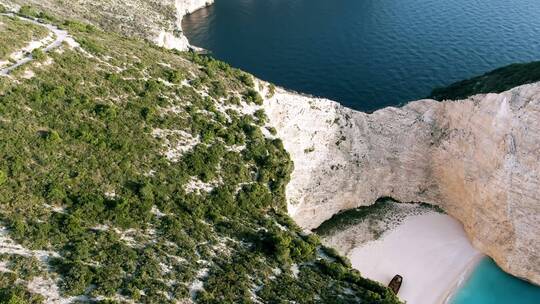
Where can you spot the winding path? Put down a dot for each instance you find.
(61, 36)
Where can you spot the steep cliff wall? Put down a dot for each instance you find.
(477, 158)
(176, 39)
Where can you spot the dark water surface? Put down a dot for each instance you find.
(368, 54)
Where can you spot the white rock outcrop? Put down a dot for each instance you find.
(177, 40)
(184, 7)
(169, 41)
(478, 159)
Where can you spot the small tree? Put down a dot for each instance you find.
(38, 54)
(253, 96)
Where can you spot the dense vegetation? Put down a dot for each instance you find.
(382, 211)
(496, 81)
(129, 172)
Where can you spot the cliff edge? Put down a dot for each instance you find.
(476, 158)
(176, 39)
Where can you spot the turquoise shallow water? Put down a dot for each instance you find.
(488, 284)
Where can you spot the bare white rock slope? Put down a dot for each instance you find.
(178, 40)
(478, 159)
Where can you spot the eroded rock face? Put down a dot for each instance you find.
(176, 39)
(478, 159)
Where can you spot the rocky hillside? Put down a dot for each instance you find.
(155, 20)
(135, 174)
(19, 35)
(476, 158)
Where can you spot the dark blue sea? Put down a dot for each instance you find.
(368, 54)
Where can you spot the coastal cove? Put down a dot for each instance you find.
(420, 243)
(374, 82)
(430, 250)
(367, 54)
(138, 168)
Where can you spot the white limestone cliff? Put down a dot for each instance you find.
(478, 159)
(177, 40)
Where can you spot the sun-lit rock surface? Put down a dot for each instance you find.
(176, 39)
(476, 158)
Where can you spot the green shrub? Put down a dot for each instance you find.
(29, 11)
(174, 76)
(271, 91)
(246, 79)
(234, 100)
(252, 96)
(3, 177)
(261, 117)
(272, 130)
(53, 136)
(217, 89)
(38, 54)
(16, 294)
(76, 278)
(91, 45)
(76, 26)
(13, 299)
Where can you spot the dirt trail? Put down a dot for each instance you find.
(60, 35)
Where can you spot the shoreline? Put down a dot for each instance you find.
(180, 42)
(431, 251)
(458, 283)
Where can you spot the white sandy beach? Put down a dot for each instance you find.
(430, 251)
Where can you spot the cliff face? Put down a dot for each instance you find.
(477, 158)
(176, 39)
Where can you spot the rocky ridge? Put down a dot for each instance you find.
(476, 158)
